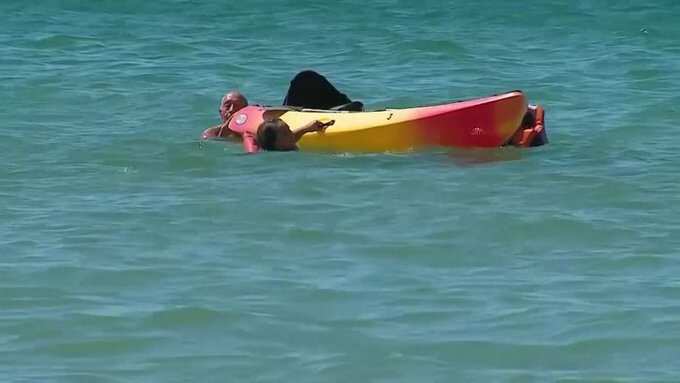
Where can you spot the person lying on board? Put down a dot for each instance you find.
(275, 134)
(308, 89)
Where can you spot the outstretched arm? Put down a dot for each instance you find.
(314, 126)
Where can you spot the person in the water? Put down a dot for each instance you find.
(275, 134)
(308, 89)
(231, 103)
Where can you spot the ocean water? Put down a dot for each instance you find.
(131, 252)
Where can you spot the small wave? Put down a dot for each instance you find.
(60, 41)
(185, 316)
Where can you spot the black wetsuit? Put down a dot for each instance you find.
(309, 89)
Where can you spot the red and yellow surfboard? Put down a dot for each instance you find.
(485, 122)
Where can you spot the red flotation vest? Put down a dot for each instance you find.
(245, 122)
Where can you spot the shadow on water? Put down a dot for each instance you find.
(459, 157)
(476, 157)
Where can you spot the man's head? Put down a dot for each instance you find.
(231, 103)
(275, 135)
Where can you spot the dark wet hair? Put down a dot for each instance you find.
(529, 120)
(267, 133)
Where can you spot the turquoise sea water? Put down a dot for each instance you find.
(131, 252)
